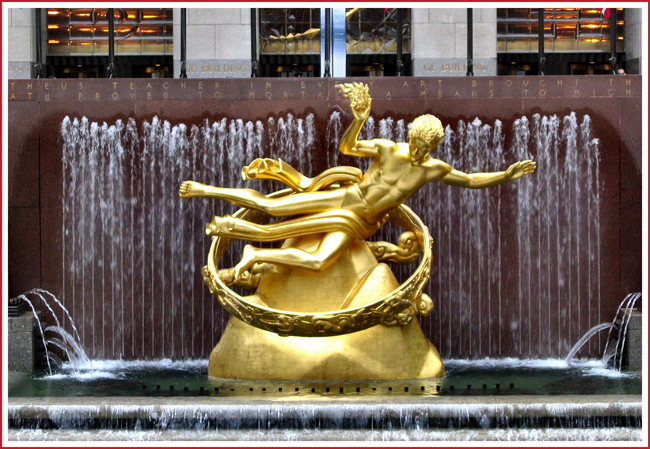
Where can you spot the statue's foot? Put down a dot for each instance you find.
(248, 280)
(214, 226)
(246, 262)
(227, 276)
(220, 225)
(191, 189)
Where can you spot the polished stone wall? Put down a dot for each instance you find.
(218, 42)
(440, 41)
(146, 324)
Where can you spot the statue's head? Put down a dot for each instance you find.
(425, 134)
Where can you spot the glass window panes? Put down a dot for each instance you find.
(374, 30)
(75, 32)
(290, 30)
(565, 30)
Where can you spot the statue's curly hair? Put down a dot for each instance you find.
(427, 128)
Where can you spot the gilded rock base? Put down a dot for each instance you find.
(378, 353)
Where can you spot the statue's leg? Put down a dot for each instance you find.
(337, 220)
(299, 203)
(329, 250)
(240, 197)
(304, 203)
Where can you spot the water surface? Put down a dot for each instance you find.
(463, 378)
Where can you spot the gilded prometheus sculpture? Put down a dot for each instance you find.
(341, 205)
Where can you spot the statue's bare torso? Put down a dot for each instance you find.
(392, 177)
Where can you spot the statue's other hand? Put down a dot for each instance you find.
(519, 169)
(359, 96)
(362, 112)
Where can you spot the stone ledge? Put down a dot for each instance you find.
(23, 323)
(21, 353)
(98, 408)
(611, 434)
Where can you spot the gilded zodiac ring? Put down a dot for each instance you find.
(397, 308)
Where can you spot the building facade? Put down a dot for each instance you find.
(314, 42)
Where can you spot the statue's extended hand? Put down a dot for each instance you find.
(519, 169)
(360, 101)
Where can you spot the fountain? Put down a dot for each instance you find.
(326, 280)
(531, 256)
(69, 344)
(613, 352)
(144, 150)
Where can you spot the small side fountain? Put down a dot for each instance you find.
(23, 352)
(614, 352)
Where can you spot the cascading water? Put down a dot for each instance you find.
(130, 253)
(132, 249)
(618, 328)
(557, 229)
(621, 323)
(556, 237)
(68, 343)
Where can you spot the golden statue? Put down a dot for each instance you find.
(326, 280)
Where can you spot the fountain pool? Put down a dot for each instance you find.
(477, 400)
(487, 377)
(544, 266)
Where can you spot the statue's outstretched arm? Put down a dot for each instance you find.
(360, 103)
(481, 180)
